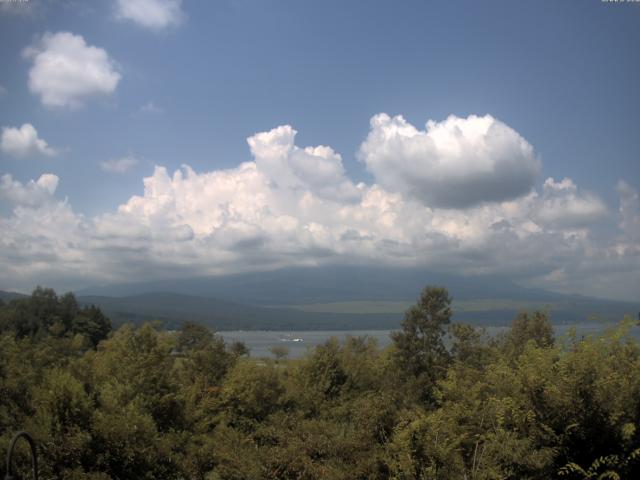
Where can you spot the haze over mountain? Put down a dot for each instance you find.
(336, 297)
(328, 284)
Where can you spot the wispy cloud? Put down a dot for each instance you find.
(151, 108)
(17, 7)
(119, 165)
(151, 14)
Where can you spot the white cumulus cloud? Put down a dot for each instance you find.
(119, 165)
(459, 162)
(563, 206)
(317, 169)
(23, 141)
(33, 193)
(292, 205)
(151, 14)
(66, 71)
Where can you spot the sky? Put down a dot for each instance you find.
(147, 139)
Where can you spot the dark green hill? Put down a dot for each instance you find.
(7, 296)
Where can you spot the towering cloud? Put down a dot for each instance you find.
(66, 71)
(316, 169)
(457, 163)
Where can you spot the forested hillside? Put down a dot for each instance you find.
(141, 402)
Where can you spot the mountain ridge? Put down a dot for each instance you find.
(332, 298)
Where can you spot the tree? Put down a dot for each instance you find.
(323, 372)
(44, 314)
(193, 337)
(420, 351)
(527, 327)
(469, 347)
(93, 324)
(250, 393)
(238, 349)
(280, 352)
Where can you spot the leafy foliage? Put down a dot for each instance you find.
(420, 351)
(45, 314)
(147, 403)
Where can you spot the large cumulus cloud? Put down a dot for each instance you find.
(293, 205)
(459, 162)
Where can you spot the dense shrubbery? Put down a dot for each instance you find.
(145, 403)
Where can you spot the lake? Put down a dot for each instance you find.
(260, 342)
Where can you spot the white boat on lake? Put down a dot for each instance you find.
(290, 338)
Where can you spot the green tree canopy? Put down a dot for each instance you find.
(420, 350)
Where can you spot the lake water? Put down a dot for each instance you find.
(260, 342)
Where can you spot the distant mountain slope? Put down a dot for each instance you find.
(173, 309)
(331, 298)
(335, 298)
(7, 296)
(328, 284)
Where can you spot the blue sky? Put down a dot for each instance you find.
(188, 82)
